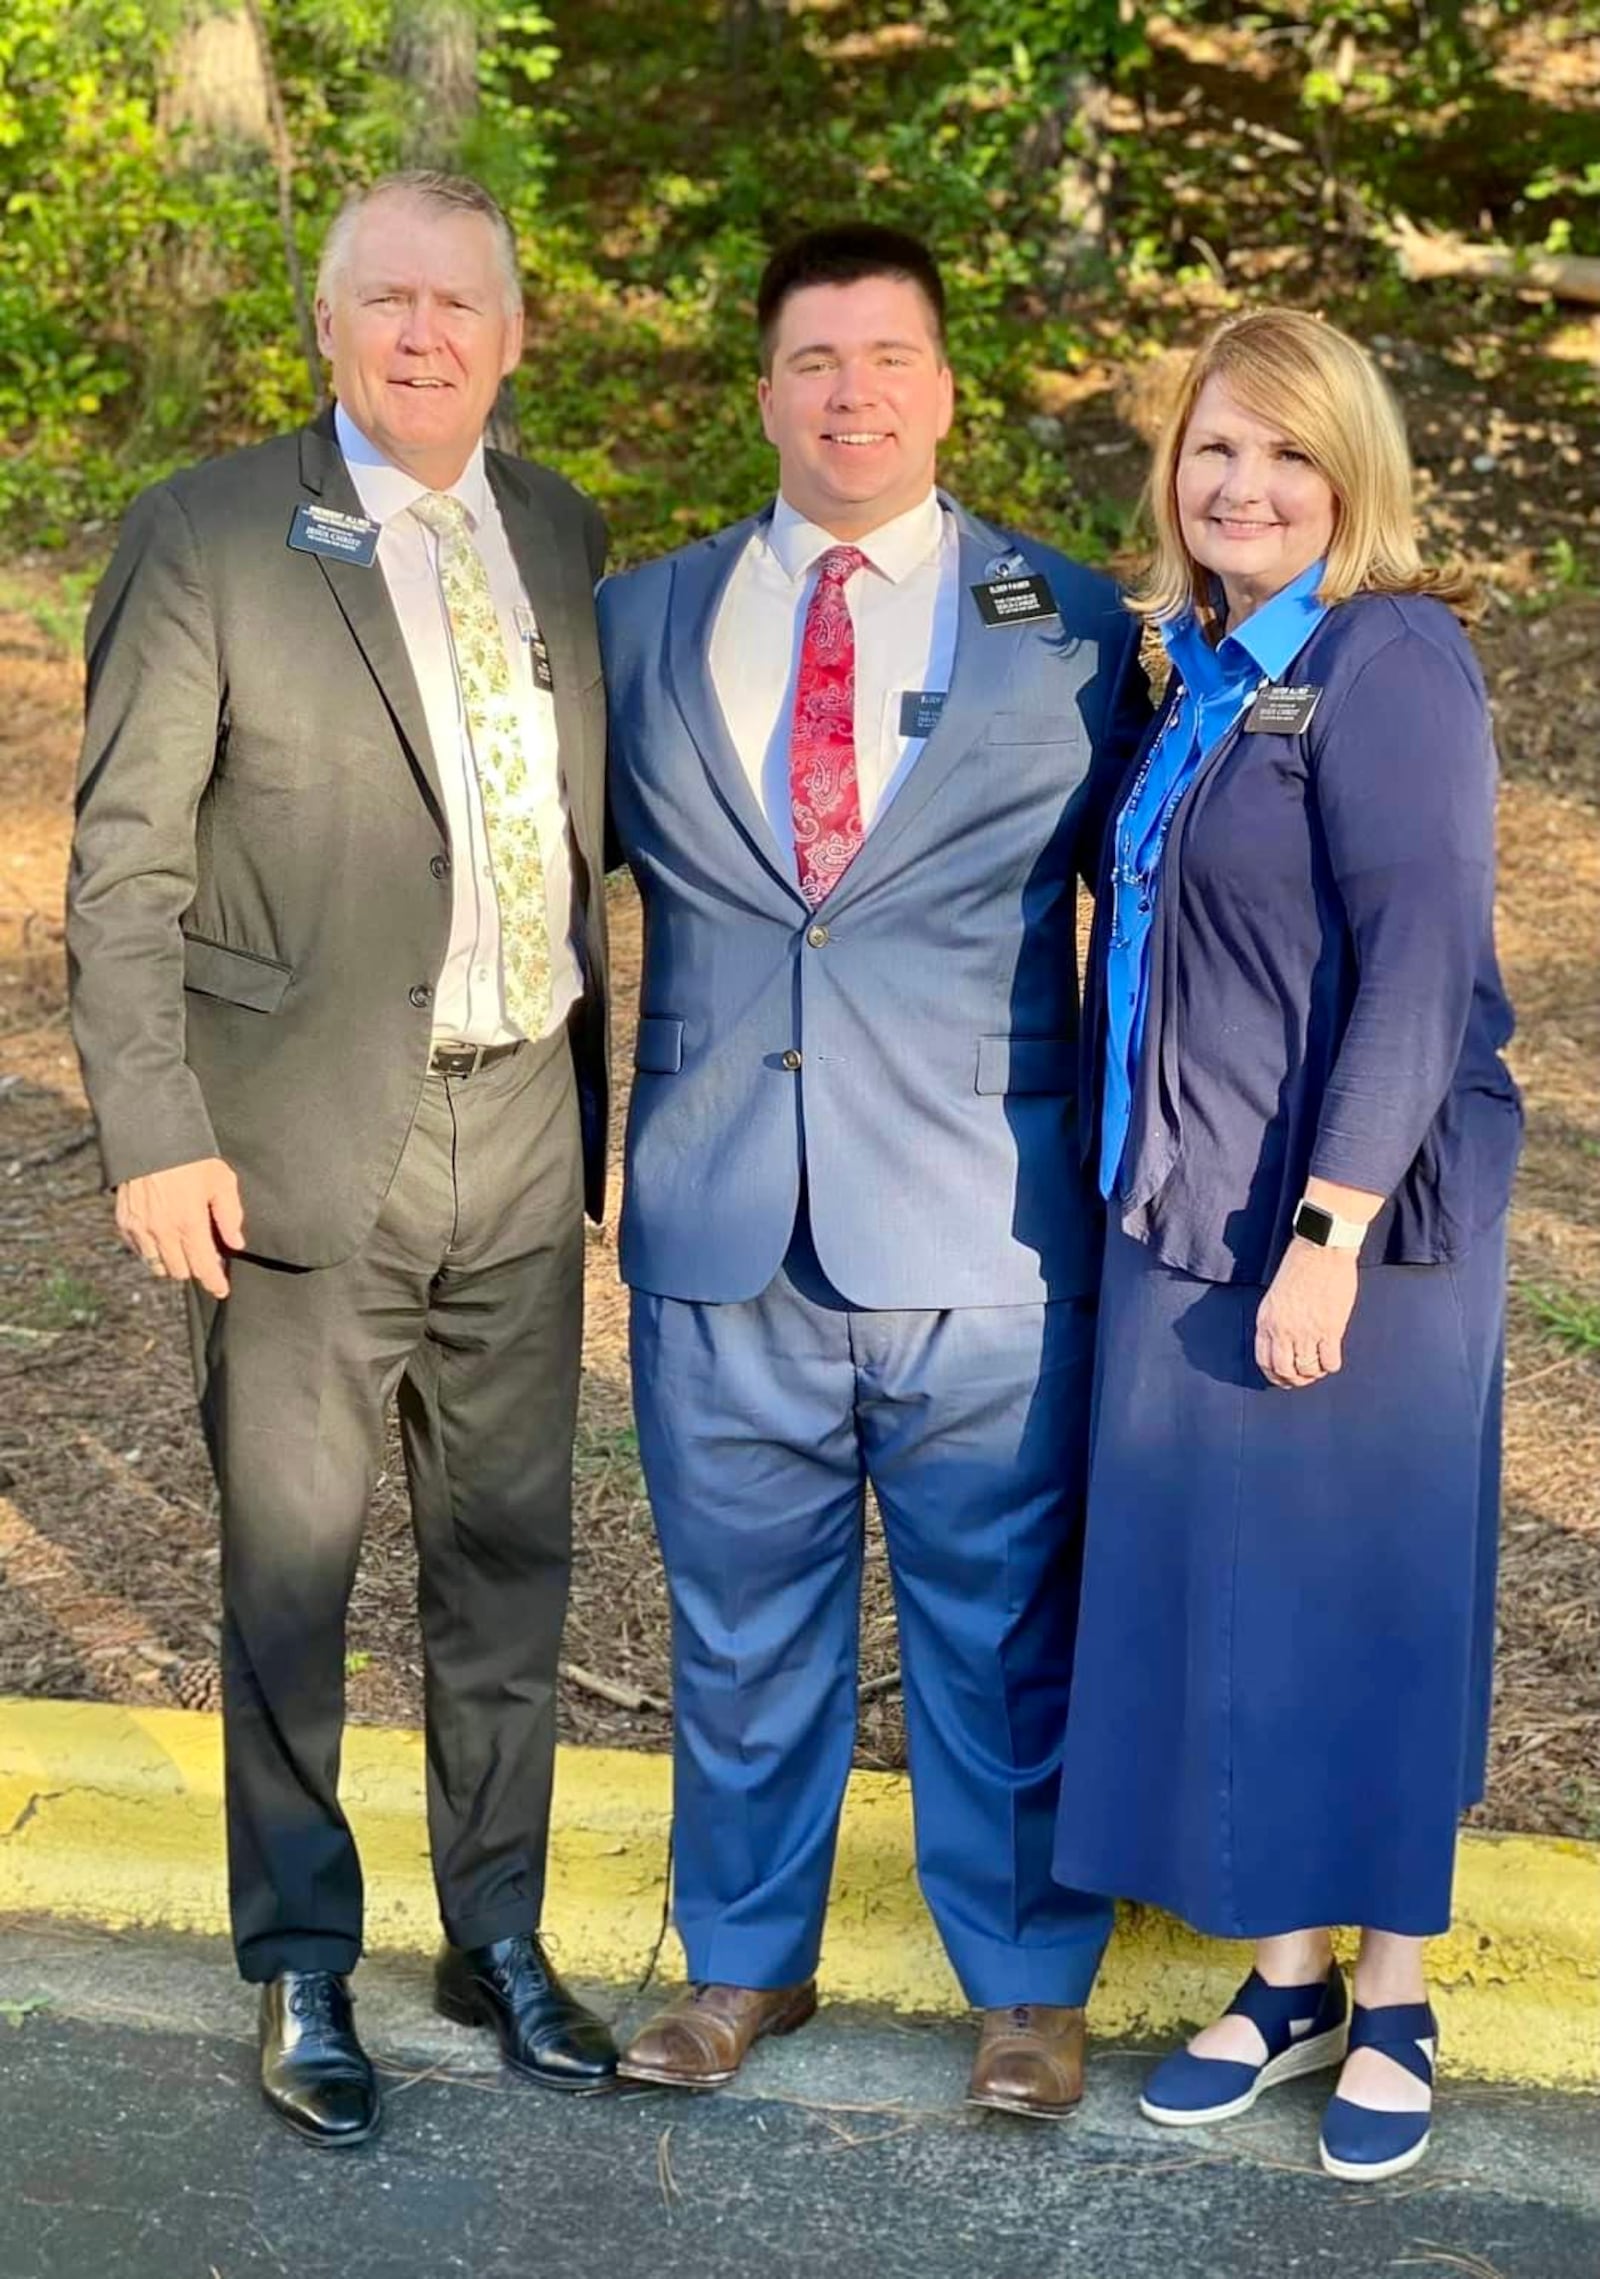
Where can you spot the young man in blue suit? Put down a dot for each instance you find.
(860, 744)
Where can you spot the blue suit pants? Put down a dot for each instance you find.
(759, 1426)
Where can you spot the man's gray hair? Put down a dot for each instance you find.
(449, 193)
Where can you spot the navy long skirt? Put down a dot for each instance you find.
(1280, 1702)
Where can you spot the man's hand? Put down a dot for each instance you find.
(1301, 1321)
(181, 1221)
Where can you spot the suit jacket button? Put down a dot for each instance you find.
(440, 866)
(790, 1060)
(421, 995)
(817, 936)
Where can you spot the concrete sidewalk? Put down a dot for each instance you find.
(135, 2145)
(114, 1816)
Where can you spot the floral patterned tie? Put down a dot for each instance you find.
(494, 723)
(823, 795)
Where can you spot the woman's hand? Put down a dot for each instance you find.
(1301, 1321)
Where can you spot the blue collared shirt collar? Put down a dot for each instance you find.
(1266, 642)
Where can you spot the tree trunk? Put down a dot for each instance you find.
(220, 98)
(283, 168)
(214, 88)
(744, 20)
(433, 52)
(212, 103)
(1070, 145)
(1084, 174)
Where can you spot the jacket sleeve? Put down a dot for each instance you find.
(150, 744)
(1405, 785)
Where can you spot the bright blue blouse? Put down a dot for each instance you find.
(1216, 688)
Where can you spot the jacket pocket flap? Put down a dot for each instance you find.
(1034, 728)
(658, 1048)
(1027, 1064)
(237, 975)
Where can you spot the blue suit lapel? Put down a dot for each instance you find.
(699, 580)
(980, 680)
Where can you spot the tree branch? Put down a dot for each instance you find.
(283, 165)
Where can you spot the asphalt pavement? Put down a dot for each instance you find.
(133, 2146)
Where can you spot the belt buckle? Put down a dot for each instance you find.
(458, 1060)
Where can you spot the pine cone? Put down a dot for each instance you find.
(200, 1685)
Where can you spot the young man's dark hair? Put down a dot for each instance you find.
(843, 254)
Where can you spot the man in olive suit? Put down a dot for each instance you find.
(338, 963)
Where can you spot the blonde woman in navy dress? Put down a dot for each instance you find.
(1306, 1136)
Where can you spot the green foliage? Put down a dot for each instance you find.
(1580, 1800)
(17, 2013)
(1390, 87)
(57, 605)
(68, 1302)
(1564, 573)
(645, 365)
(145, 308)
(145, 313)
(1571, 1320)
(963, 123)
(65, 1303)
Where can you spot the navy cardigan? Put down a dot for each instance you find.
(1323, 994)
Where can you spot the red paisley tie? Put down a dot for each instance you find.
(823, 797)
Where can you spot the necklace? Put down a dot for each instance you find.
(1133, 878)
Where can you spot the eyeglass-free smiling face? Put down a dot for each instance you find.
(857, 401)
(1251, 506)
(420, 332)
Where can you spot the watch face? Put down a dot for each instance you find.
(1313, 1223)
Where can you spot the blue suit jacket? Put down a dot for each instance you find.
(1323, 992)
(909, 1049)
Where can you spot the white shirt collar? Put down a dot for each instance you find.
(386, 490)
(894, 549)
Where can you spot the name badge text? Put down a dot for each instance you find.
(339, 537)
(1015, 601)
(1282, 711)
(920, 709)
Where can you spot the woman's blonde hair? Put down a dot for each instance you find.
(1321, 391)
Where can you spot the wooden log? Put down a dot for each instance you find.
(1426, 254)
(610, 1689)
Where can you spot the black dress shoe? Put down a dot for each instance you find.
(544, 2033)
(314, 2073)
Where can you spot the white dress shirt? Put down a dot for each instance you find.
(469, 1000)
(903, 606)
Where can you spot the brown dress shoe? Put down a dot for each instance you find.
(1029, 2061)
(701, 2040)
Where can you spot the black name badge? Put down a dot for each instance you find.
(534, 642)
(1282, 711)
(1015, 601)
(340, 537)
(920, 709)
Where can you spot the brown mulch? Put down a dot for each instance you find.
(107, 1544)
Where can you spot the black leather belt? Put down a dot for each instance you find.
(466, 1060)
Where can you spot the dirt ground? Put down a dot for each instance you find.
(107, 1544)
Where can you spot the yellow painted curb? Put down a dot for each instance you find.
(115, 1816)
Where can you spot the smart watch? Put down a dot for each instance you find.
(1313, 1222)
